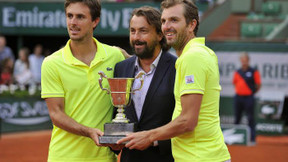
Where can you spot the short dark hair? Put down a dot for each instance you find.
(153, 17)
(94, 6)
(190, 10)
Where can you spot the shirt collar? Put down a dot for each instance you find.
(152, 66)
(196, 40)
(68, 57)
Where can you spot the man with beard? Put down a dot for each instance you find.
(195, 126)
(153, 105)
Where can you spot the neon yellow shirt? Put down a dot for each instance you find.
(65, 76)
(197, 73)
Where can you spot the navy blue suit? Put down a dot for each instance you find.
(157, 108)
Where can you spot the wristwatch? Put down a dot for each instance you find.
(155, 143)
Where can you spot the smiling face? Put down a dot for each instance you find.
(79, 22)
(143, 37)
(175, 28)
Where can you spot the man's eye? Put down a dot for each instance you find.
(132, 31)
(69, 16)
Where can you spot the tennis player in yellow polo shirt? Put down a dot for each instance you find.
(195, 127)
(77, 106)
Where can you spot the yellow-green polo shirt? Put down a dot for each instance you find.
(197, 73)
(65, 76)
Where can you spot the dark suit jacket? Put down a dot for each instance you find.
(157, 108)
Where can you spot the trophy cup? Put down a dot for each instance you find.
(120, 92)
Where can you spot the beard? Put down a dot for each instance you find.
(179, 41)
(146, 52)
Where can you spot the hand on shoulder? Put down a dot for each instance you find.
(125, 54)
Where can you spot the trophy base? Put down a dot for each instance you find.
(109, 139)
(115, 131)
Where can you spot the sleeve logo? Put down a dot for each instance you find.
(189, 79)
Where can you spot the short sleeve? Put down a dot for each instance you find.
(192, 74)
(51, 84)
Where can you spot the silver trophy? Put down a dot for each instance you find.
(120, 90)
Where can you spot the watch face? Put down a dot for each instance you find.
(155, 143)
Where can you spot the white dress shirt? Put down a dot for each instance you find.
(139, 96)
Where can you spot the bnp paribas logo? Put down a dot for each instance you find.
(23, 113)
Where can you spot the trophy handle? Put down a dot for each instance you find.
(102, 75)
(141, 80)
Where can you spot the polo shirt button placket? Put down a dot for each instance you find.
(91, 78)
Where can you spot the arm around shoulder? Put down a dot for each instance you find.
(124, 53)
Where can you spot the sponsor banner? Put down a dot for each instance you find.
(269, 111)
(273, 68)
(263, 126)
(236, 134)
(18, 114)
(271, 105)
(270, 127)
(49, 18)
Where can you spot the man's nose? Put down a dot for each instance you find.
(136, 35)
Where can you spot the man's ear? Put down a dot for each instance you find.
(192, 25)
(96, 22)
(160, 36)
